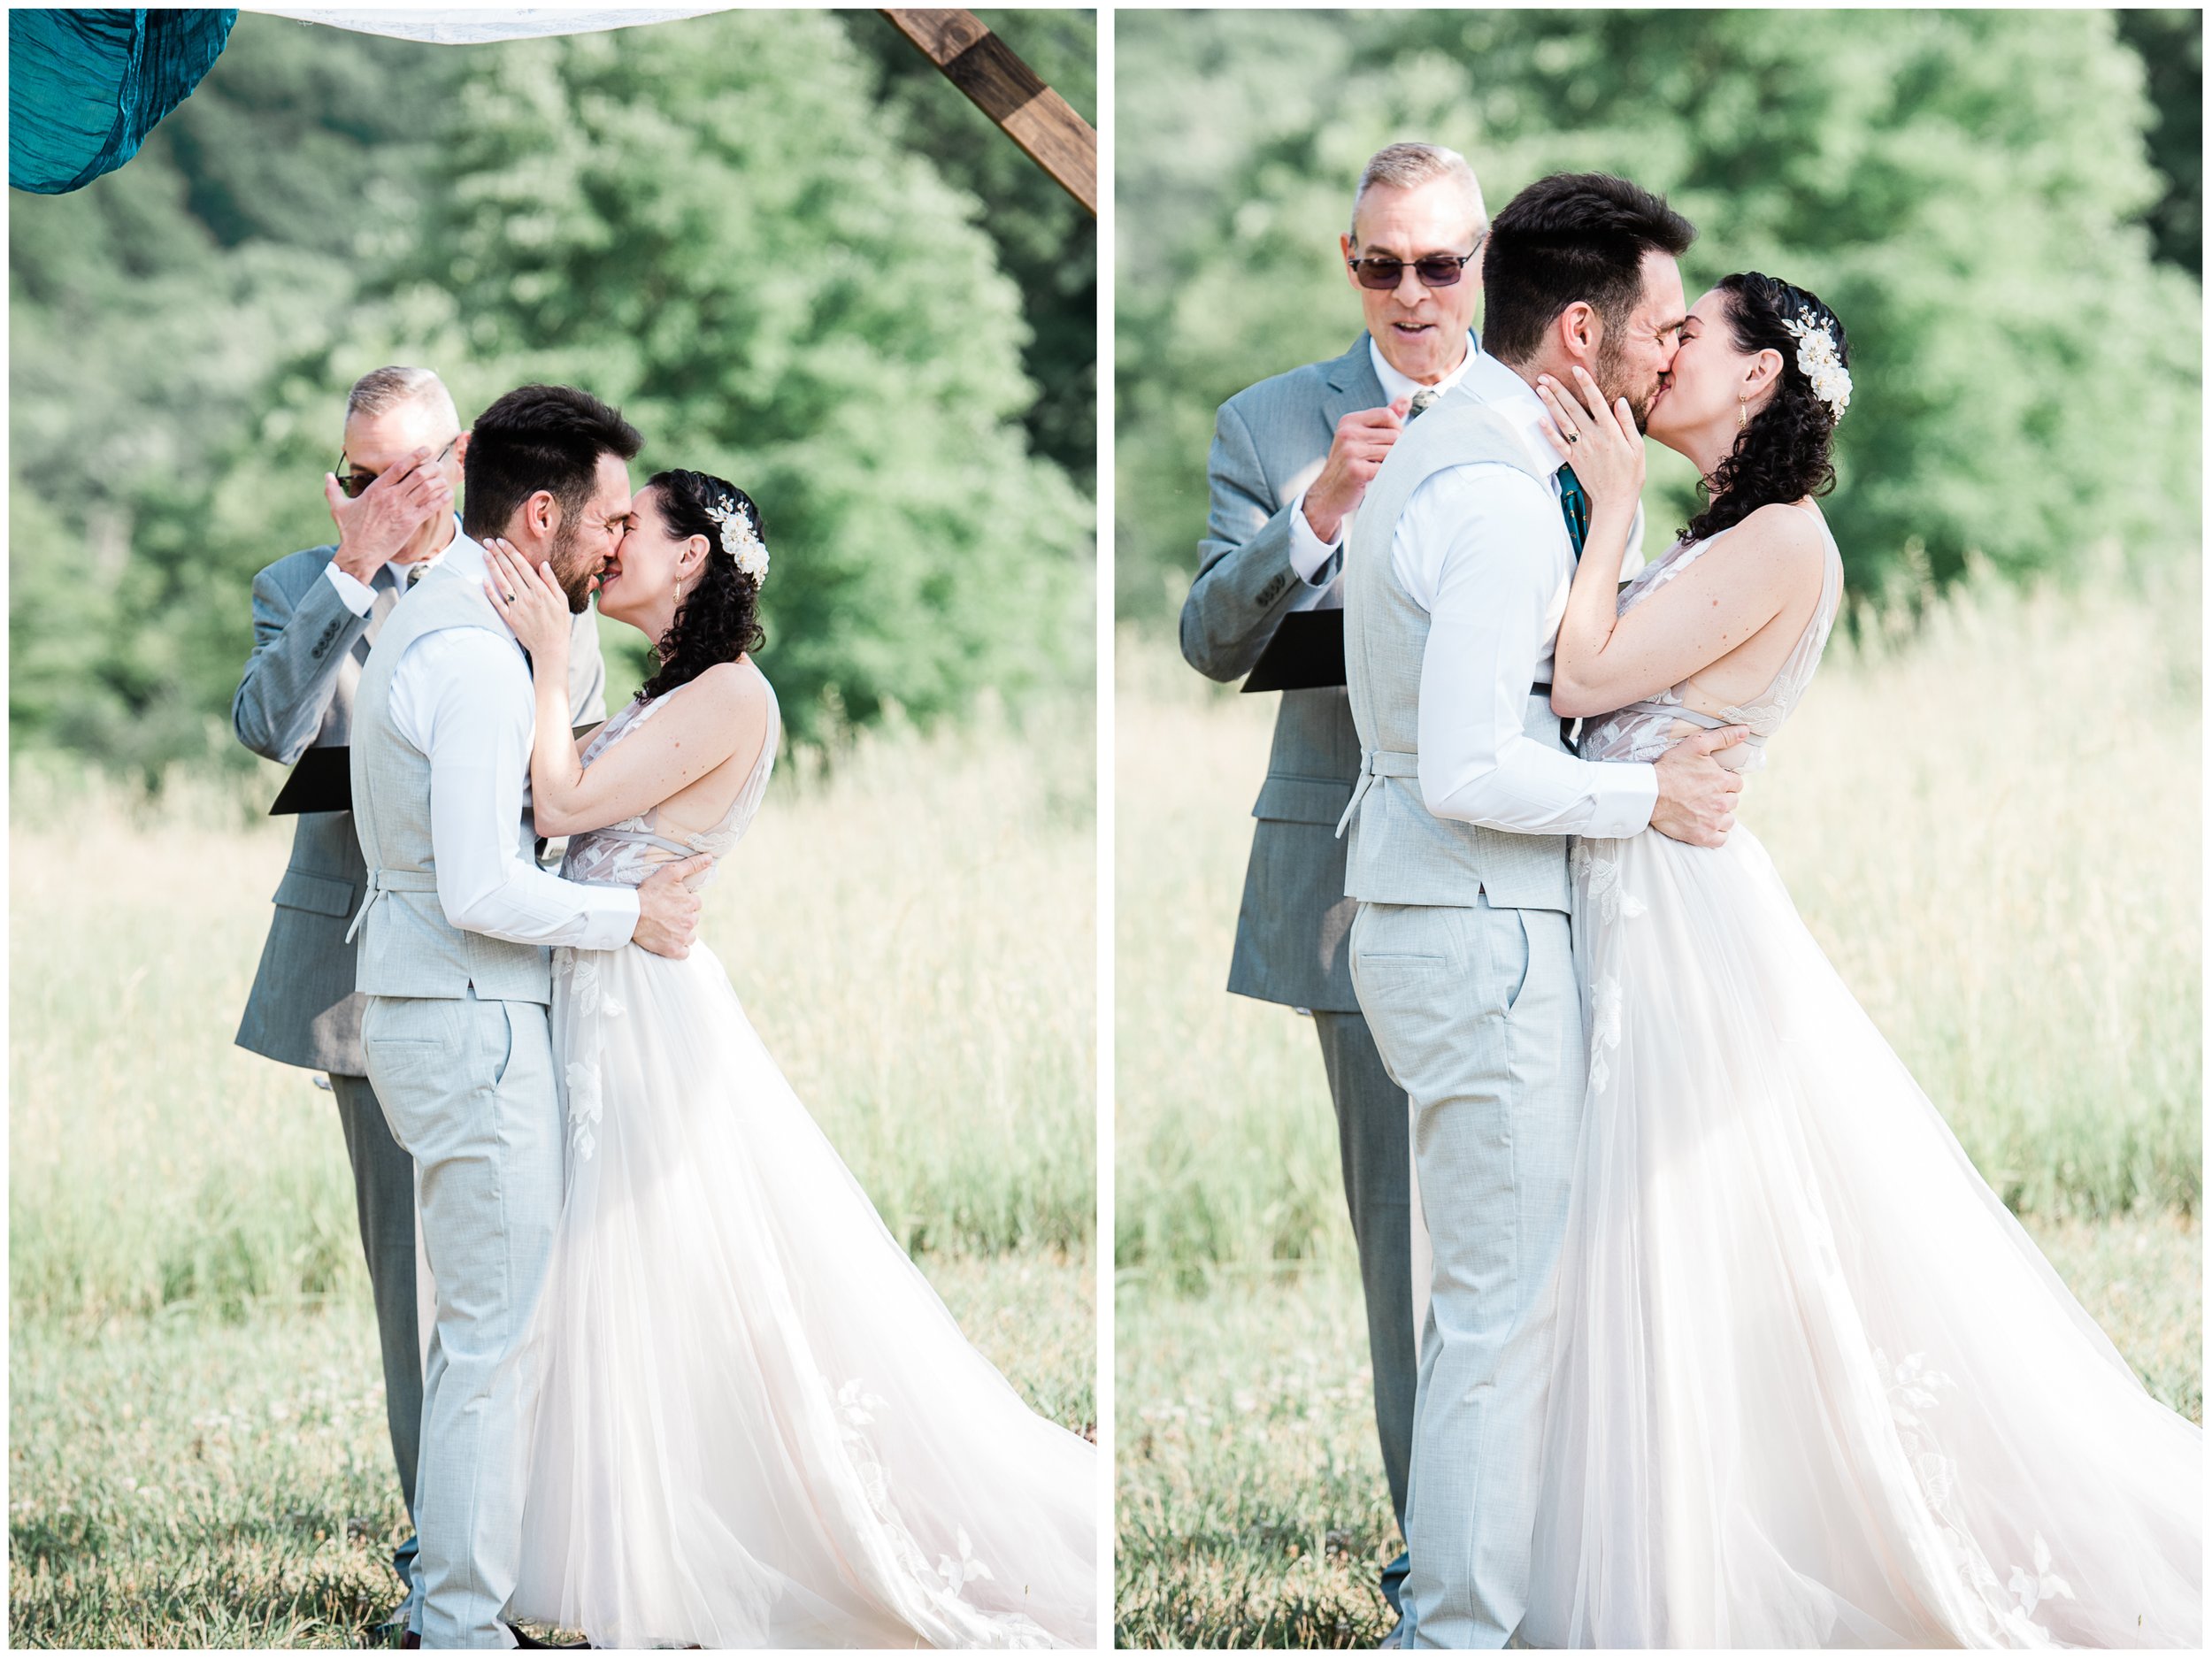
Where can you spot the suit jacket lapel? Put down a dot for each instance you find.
(1352, 384)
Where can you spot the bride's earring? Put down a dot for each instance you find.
(1743, 411)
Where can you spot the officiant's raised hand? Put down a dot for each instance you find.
(1357, 453)
(668, 909)
(378, 522)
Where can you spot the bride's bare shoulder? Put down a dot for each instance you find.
(734, 686)
(738, 699)
(1784, 541)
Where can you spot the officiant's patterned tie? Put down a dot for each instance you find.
(1422, 400)
(1574, 506)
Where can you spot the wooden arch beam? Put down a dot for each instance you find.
(1004, 87)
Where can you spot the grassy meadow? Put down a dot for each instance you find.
(197, 1453)
(1992, 824)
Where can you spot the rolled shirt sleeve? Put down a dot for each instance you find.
(462, 697)
(1494, 584)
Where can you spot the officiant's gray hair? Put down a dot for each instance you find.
(1408, 166)
(382, 390)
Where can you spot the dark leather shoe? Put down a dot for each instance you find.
(409, 1640)
(522, 1639)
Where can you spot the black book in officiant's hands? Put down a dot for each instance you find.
(323, 780)
(1307, 654)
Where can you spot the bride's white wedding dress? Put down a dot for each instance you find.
(758, 1426)
(1814, 1384)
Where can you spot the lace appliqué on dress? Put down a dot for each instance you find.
(854, 1408)
(1597, 873)
(588, 1005)
(1914, 1389)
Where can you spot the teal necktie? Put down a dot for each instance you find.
(1574, 506)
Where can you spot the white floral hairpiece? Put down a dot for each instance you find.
(740, 539)
(1817, 361)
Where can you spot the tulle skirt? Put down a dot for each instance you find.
(757, 1426)
(1814, 1384)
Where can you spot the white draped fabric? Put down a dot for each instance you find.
(478, 25)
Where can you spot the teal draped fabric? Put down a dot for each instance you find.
(84, 88)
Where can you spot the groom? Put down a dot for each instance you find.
(454, 965)
(1456, 577)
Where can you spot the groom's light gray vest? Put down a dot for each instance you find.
(1400, 853)
(408, 948)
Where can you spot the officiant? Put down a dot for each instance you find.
(1291, 458)
(315, 614)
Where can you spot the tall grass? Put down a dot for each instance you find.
(911, 930)
(1252, 1509)
(195, 1417)
(1991, 822)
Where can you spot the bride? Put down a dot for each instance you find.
(1814, 1386)
(757, 1426)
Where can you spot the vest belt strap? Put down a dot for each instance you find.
(1402, 763)
(383, 881)
(1374, 762)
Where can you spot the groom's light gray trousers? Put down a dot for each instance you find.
(1477, 1016)
(468, 1087)
(1461, 956)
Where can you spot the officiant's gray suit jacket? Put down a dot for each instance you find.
(298, 694)
(1269, 442)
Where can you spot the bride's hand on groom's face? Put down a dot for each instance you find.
(1600, 440)
(528, 599)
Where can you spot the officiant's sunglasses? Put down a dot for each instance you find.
(1435, 270)
(352, 480)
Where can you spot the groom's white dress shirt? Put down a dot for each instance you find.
(1484, 550)
(1310, 556)
(462, 697)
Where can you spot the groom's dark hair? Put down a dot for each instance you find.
(539, 437)
(1572, 236)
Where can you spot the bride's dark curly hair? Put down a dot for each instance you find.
(720, 618)
(1785, 453)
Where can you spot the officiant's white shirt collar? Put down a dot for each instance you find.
(1395, 385)
(430, 561)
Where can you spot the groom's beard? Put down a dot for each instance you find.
(574, 582)
(1607, 375)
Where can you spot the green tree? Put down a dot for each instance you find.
(2171, 41)
(149, 311)
(1962, 187)
(1046, 241)
(775, 290)
(712, 223)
